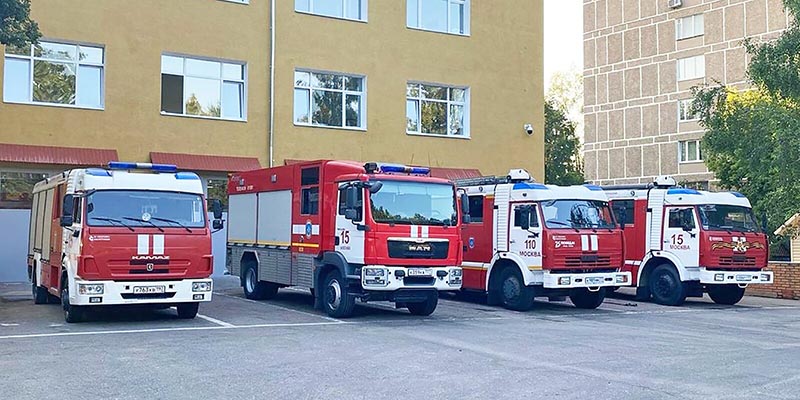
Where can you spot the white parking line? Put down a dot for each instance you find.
(215, 321)
(281, 307)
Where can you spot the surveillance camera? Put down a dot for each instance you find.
(529, 129)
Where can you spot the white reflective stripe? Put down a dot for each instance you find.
(584, 243)
(424, 231)
(632, 262)
(594, 243)
(143, 245)
(301, 229)
(158, 245)
(414, 232)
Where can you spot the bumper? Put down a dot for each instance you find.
(747, 277)
(116, 293)
(585, 280)
(397, 278)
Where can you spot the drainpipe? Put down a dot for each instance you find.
(272, 84)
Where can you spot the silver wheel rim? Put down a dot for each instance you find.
(250, 280)
(334, 294)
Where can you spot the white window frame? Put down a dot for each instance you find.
(683, 111)
(694, 22)
(363, 93)
(683, 150)
(222, 81)
(697, 65)
(310, 11)
(448, 102)
(31, 60)
(467, 18)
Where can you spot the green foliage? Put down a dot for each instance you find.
(563, 164)
(16, 27)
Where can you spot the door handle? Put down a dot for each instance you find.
(512, 241)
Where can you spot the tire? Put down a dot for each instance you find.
(514, 294)
(72, 314)
(255, 289)
(584, 299)
(40, 294)
(725, 294)
(666, 286)
(336, 298)
(187, 310)
(424, 308)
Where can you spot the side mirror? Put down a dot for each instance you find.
(218, 224)
(764, 222)
(67, 220)
(465, 217)
(216, 209)
(687, 227)
(623, 215)
(351, 197)
(68, 205)
(352, 214)
(374, 187)
(525, 216)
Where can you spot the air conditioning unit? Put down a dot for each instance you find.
(675, 3)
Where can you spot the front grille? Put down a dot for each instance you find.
(587, 261)
(129, 296)
(418, 281)
(737, 261)
(144, 271)
(421, 250)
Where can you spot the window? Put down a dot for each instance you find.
(534, 217)
(685, 112)
(310, 195)
(618, 205)
(347, 9)
(681, 218)
(691, 68)
(205, 88)
(55, 74)
(690, 151)
(450, 16)
(326, 99)
(688, 27)
(476, 208)
(16, 188)
(437, 110)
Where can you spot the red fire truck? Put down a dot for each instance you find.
(345, 231)
(526, 239)
(682, 242)
(131, 234)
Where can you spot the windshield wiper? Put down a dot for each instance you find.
(568, 225)
(143, 221)
(116, 221)
(172, 221)
(438, 222)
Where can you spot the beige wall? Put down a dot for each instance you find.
(631, 88)
(134, 34)
(501, 62)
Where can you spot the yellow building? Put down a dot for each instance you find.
(445, 83)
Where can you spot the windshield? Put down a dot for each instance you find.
(577, 214)
(718, 217)
(414, 203)
(145, 208)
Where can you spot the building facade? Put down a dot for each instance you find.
(641, 60)
(217, 86)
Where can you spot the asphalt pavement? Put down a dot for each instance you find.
(284, 349)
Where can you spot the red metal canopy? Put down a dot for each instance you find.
(201, 162)
(53, 155)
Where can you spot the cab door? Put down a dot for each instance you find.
(681, 235)
(349, 239)
(527, 243)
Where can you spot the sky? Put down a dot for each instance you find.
(563, 37)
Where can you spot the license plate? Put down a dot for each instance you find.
(419, 272)
(148, 289)
(594, 281)
(744, 278)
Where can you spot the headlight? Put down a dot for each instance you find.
(201, 286)
(94, 288)
(564, 280)
(765, 277)
(454, 277)
(375, 276)
(719, 277)
(622, 279)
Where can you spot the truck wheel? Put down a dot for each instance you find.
(513, 292)
(336, 297)
(424, 308)
(725, 294)
(40, 295)
(188, 310)
(583, 298)
(666, 286)
(72, 314)
(255, 289)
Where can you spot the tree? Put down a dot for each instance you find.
(16, 27)
(563, 164)
(752, 139)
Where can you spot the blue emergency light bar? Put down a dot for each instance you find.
(149, 166)
(394, 168)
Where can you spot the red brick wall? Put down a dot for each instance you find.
(786, 286)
